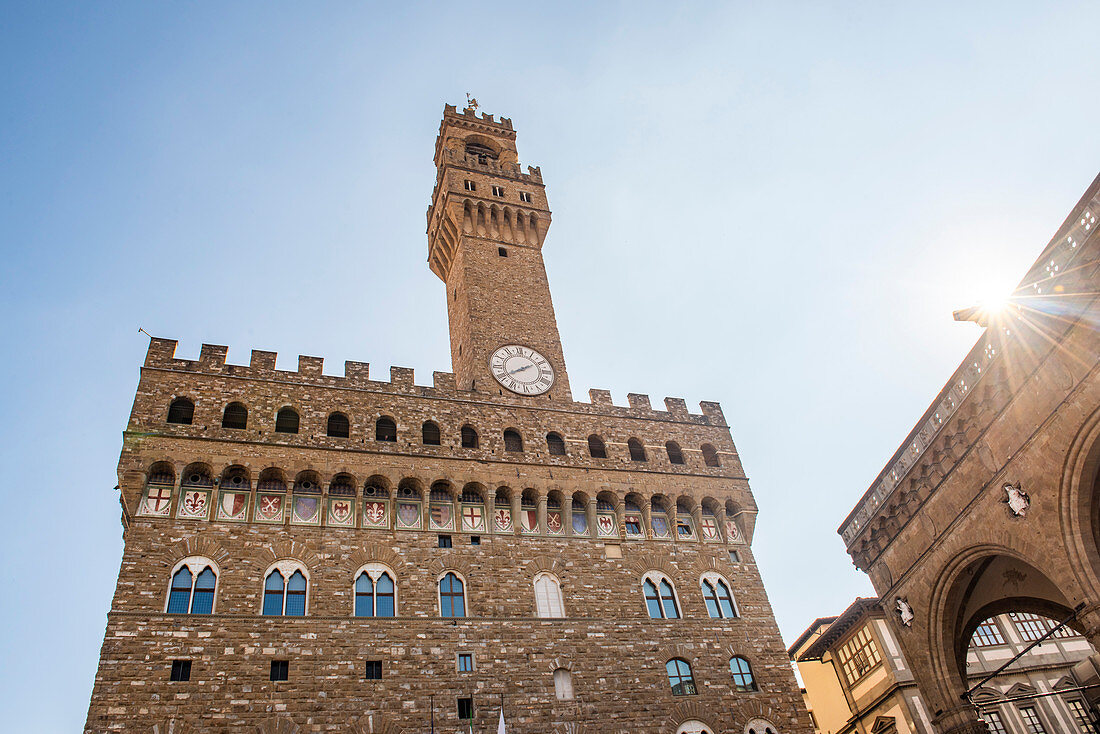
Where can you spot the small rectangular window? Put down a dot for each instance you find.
(181, 670)
(374, 670)
(444, 541)
(280, 670)
(735, 557)
(466, 709)
(470, 185)
(498, 191)
(524, 196)
(475, 540)
(465, 662)
(502, 252)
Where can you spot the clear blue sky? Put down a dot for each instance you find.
(772, 205)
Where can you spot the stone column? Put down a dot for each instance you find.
(517, 507)
(567, 514)
(1089, 619)
(591, 512)
(647, 527)
(697, 518)
(542, 514)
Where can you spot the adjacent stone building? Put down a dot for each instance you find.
(307, 552)
(857, 679)
(991, 504)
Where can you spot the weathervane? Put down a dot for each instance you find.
(471, 102)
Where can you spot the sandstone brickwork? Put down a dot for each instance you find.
(196, 493)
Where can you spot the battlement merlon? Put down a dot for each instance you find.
(161, 355)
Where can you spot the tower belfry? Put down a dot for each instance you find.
(486, 225)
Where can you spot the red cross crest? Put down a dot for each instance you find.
(710, 529)
(471, 517)
(157, 501)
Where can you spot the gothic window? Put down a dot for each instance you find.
(283, 595)
(498, 191)
(470, 185)
(555, 444)
(385, 430)
(563, 684)
(235, 416)
(286, 421)
(858, 655)
(192, 589)
(469, 437)
(429, 434)
(181, 411)
(481, 151)
(338, 426)
(374, 593)
(525, 196)
(680, 678)
(716, 595)
(512, 440)
(675, 455)
(743, 679)
(710, 455)
(660, 600)
(596, 447)
(548, 600)
(637, 450)
(693, 727)
(452, 596)
(987, 634)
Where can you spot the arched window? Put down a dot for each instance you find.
(548, 596)
(385, 430)
(680, 678)
(452, 597)
(693, 727)
(512, 440)
(235, 416)
(563, 684)
(716, 595)
(710, 455)
(283, 596)
(429, 434)
(374, 593)
(181, 411)
(338, 426)
(637, 451)
(675, 455)
(660, 600)
(286, 421)
(743, 679)
(596, 447)
(555, 444)
(469, 437)
(192, 589)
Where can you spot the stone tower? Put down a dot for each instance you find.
(307, 552)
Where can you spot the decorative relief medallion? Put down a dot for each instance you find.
(521, 370)
(605, 526)
(341, 512)
(269, 507)
(710, 528)
(553, 522)
(733, 533)
(1017, 499)
(158, 500)
(408, 515)
(529, 521)
(307, 510)
(502, 520)
(473, 517)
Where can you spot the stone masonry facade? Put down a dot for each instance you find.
(244, 501)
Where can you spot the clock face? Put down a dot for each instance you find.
(521, 369)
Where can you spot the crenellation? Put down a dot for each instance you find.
(357, 374)
(600, 397)
(443, 382)
(676, 407)
(310, 366)
(212, 357)
(639, 402)
(402, 377)
(262, 361)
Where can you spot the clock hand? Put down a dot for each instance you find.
(519, 369)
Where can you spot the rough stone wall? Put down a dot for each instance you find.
(615, 653)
